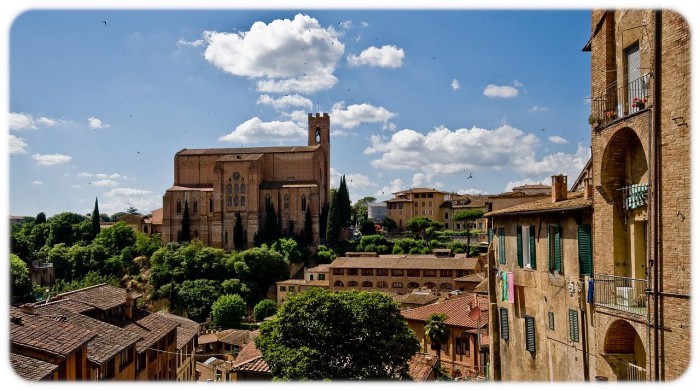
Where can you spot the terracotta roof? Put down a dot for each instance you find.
(248, 157)
(102, 296)
(185, 188)
(234, 151)
(421, 365)
(420, 190)
(157, 216)
(109, 340)
(456, 309)
(72, 305)
(419, 298)
(250, 359)
(207, 338)
(29, 368)
(186, 331)
(482, 287)
(152, 328)
(322, 268)
(405, 262)
(235, 337)
(286, 184)
(574, 201)
(474, 277)
(304, 282)
(42, 333)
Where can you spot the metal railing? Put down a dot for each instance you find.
(631, 372)
(621, 293)
(617, 102)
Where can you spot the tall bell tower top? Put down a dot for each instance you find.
(319, 129)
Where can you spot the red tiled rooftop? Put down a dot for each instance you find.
(457, 311)
(102, 296)
(45, 334)
(31, 369)
(152, 328)
(421, 366)
(574, 201)
(406, 262)
(186, 331)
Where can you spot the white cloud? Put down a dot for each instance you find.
(364, 24)
(120, 199)
(539, 108)
(84, 174)
(21, 121)
(77, 186)
(346, 25)
(17, 145)
(558, 140)
(527, 181)
(420, 180)
(285, 101)
(518, 84)
(494, 91)
(193, 44)
(96, 123)
(110, 176)
(353, 181)
(388, 56)
(472, 191)
(554, 164)
(455, 84)
(354, 115)
(254, 130)
(310, 54)
(394, 186)
(51, 160)
(105, 183)
(37, 183)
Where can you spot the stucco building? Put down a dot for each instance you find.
(416, 202)
(640, 115)
(223, 183)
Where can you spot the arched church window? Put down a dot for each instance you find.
(229, 201)
(235, 188)
(286, 201)
(195, 206)
(229, 189)
(303, 203)
(318, 134)
(178, 206)
(235, 201)
(242, 200)
(242, 187)
(267, 200)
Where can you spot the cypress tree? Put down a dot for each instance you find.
(308, 228)
(323, 221)
(271, 230)
(238, 239)
(185, 232)
(344, 205)
(95, 220)
(334, 225)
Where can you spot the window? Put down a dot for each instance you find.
(573, 325)
(445, 273)
(321, 277)
(235, 201)
(303, 203)
(242, 187)
(550, 320)
(229, 189)
(422, 203)
(430, 273)
(286, 202)
(413, 285)
(382, 272)
(125, 357)
(397, 284)
(338, 283)
(229, 201)
(502, 245)
(585, 255)
(291, 289)
(367, 272)
(178, 206)
(446, 216)
(413, 273)
(415, 204)
(352, 284)
(235, 188)
(397, 272)
(381, 284)
(504, 323)
(211, 204)
(430, 195)
(195, 206)
(338, 272)
(462, 345)
(526, 246)
(530, 334)
(311, 277)
(283, 288)
(242, 200)
(554, 248)
(141, 361)
(446, 286)
(366, 284)
(352, 272)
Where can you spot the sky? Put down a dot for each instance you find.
(101, 100)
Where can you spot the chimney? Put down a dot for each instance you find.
(588, 188)
(27, 309)
(559, 187)
(129, 305)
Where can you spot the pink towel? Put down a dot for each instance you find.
(511, 288)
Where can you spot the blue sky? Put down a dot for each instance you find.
(101, 100)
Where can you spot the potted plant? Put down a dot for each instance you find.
(610, 115)
(639, 103)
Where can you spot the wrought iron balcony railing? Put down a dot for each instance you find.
(618, 102)
(621, 293)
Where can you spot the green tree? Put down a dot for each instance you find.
(185, 229)
(228, 311)
(116, 216)
(389, 224)
(271, 228)
(334, 224)
(147, 245)
(318, 335)
(468, 216)
(196, 297)
(343, 204)
(40, 218)
(367, 227)
(235, 286)
(289, 249)
(325, 254)
(423, 226)
(20, 283)
(62, 227)
(263, 309)
(360, 208)
(323, 219)
(95, 220)
(259, 269)
(436, 330)
(238, 239)
(133, 211)
(116, 237)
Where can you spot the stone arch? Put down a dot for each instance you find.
(624, 161)
(622, 345)
(338, 283)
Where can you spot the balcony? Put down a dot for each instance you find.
(621, 293)
(618, 102)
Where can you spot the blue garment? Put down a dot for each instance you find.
(591, 284)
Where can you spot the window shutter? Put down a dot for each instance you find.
(502, 245)
(550, 260)
(490, 231)
(533, 258)
(504, 323)
(529, 334)
(519, 230)
(585, 255)
(573, 325)
(557, 248)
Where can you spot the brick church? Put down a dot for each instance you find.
(220, 183)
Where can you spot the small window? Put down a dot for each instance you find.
(242, 187)
(338, 283)
(381, 284)
(178, 206)
(382, 272)
(573, 325)
(526, 246)
(235, 201)
(397, 284)
(430, 273)
(352, 272)
(502, 245)
(195, 206)
(445, 273)
(413, 273)
(229, 189)
(550, 320)
(504, 323)
(311, 277)
(291, 289)
(367, 272)
(321, 277)
(397, 272)
(303, 203)
(211, 204)
(530, 334)
(352, 284)
(366, 284)
(235, 188)
(554, 248)
(286, 202)
(585, 254)
(229, 201)
(283, 288)
(242, 200)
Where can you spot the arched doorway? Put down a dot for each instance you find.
(624, 352)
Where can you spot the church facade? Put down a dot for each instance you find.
(221, 183)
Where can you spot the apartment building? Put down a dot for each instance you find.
(416, 202)
(317, 276)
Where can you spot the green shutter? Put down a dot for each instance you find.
(529, 334)
(519, 230)
(502, 245)
(550, 261)
(585, 255)
(490, 235)
(504, 323)
(533, 258)
(557, 249)
(573, 325)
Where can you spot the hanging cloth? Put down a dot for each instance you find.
(511, 288)
(504, 286)
(590, 296)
